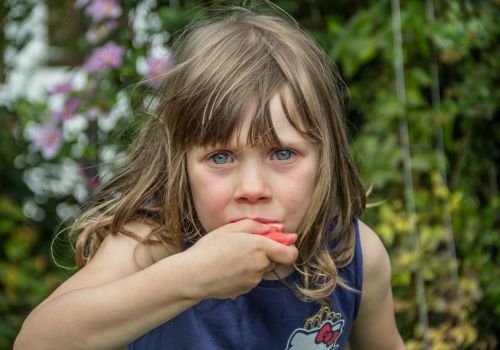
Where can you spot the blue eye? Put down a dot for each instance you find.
(220, 158)
(283, 154)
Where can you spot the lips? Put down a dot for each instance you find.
(258, 219)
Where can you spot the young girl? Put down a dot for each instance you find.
(174, 250)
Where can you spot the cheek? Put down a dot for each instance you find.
(209, 193)
(209, 197)
(298, 189)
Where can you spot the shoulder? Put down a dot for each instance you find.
(375, 326)
(129, 251)
(376, 263)
(147, 248)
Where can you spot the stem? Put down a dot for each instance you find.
(408, 177)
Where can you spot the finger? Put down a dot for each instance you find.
(271, 267)
(281, 253)
(248, 225)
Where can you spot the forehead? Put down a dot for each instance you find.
(280, 130)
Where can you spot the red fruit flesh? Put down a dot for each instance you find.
(275, 233)
(276, 227)
(283, 238)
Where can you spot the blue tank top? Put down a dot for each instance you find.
(269, 317)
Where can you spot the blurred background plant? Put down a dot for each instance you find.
(70, 102)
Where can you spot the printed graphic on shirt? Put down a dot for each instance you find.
(320, 332)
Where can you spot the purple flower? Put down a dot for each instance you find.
(108, 56)
(62, 88)
(101, 9)
(156, 68)
(94, 181)
(47, 139)
(68, 111)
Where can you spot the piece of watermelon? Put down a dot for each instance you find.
(283, 238)
(276, 234)
(276, 227)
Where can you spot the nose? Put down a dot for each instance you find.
(252, 185)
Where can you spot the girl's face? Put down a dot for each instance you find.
(266, 184)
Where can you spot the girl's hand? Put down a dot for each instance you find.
(232, 259)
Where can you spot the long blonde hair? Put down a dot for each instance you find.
(222, 64)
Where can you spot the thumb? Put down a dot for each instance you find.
(280, 253)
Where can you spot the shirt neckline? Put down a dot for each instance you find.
(293, 277)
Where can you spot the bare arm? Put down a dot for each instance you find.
(112, 301)
(375, 326)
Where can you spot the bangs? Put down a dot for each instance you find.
(221, 128)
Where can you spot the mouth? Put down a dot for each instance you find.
(258, 219)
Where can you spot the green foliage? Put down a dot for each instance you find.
(26, 273)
